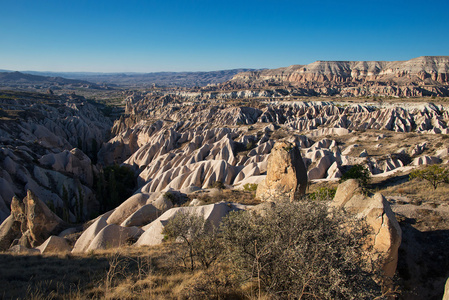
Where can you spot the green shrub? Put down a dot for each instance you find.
(113, 185)
(323, 194)
(358, 172)
(250, 187)
(250, 145)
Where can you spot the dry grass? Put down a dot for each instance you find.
(417, 190)
(227, 195)
(125, 273)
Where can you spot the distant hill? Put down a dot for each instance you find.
(19, 78)
(182, 79)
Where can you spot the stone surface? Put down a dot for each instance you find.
(286, 174)
(73, 161)
(212, 212)
(9, 231)
(446, 291)
(86, 238)
(144, 215)
(386, 233)
(127, 208)
(113, 236)
(54, 244)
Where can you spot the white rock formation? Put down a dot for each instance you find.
(212, 212)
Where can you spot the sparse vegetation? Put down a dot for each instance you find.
(323, 194)
(217, 185)
(435, 175)
(201, 238)
(250, 187)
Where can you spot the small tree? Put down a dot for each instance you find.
(200, 236)
(434, 175)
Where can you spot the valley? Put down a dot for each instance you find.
(92, 169)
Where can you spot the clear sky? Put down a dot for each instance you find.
(205, 35)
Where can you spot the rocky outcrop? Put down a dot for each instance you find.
(35, 220)
(86, 238)
(446, 291)
(386, 234)
(9, 231)
(46, 146)
(286, 174)
(74, 162)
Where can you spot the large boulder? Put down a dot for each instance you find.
(286, 174)
(386, 233)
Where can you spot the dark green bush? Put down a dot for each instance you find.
(358, 172)
(217, 185)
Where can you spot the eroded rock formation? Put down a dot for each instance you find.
(35, 220)
(386, 233)
(421, 76)
(286, 174)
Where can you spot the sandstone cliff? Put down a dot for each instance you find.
(421, 76)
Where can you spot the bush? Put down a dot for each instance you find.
(200, 236)
(250, 187)
(434, 175)
(217, 185)
(300, 250)
(358, 172)
(323, 194)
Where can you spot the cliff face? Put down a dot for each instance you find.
(426, 71)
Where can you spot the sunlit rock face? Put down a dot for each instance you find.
(386, 234)
(286, 174)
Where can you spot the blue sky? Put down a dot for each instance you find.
(167, 35)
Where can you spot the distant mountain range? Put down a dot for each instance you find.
(24, 78)
(421, 76)
(183, 79)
